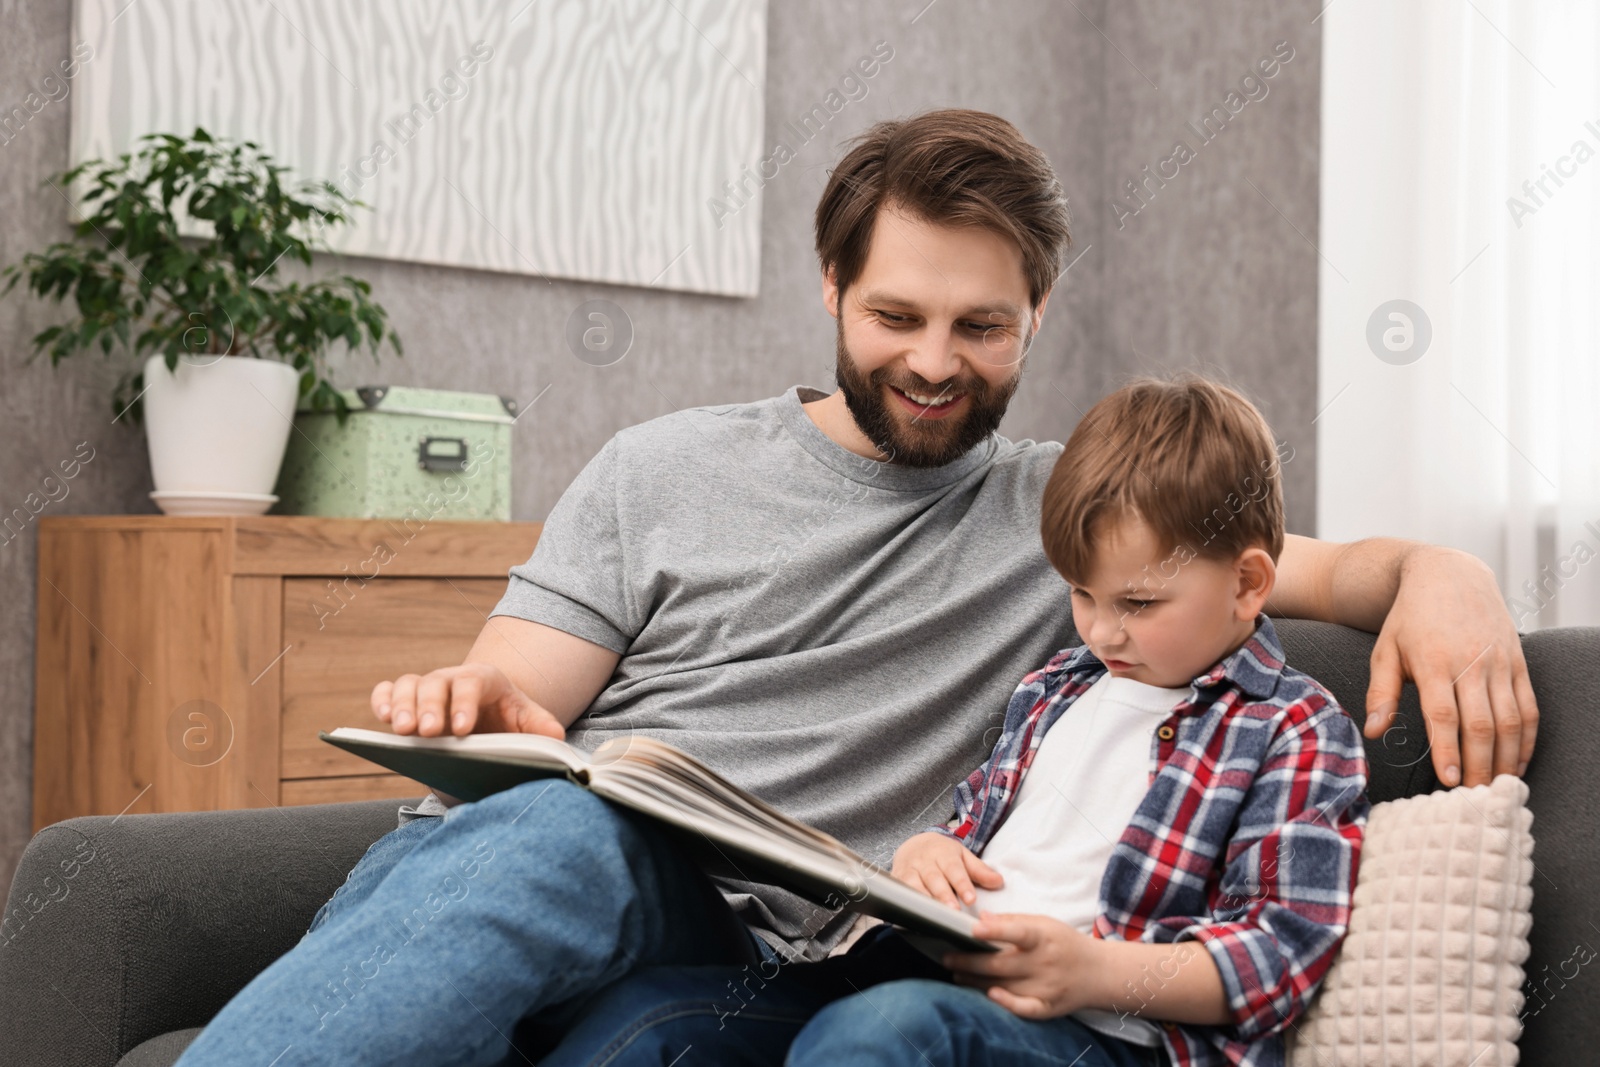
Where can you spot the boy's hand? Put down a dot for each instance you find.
(471, 698)
(1043, 970)
(943, 868)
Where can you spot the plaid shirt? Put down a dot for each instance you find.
(1247, 840)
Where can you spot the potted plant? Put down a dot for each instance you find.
(229, 348)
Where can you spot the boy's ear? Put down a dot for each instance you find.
(1255, 575)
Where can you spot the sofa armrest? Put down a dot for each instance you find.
(1561, 1016)
(121, 928)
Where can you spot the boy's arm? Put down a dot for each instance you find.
(970, 795)
(1046, 968)
(1285, 894)
(967, 800)
(1177, 982)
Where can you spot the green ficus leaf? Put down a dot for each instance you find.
(255, 216)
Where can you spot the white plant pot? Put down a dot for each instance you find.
(217, 432)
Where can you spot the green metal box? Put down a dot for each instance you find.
(403, 453)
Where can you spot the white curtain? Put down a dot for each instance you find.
(1461, 173)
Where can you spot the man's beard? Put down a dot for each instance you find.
(924, 442)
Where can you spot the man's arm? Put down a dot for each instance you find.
(519, 677)
(1440, 622)
(562, 673)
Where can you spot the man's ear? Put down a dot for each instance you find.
(1038, 312)
(830, 292)
(1255, 576)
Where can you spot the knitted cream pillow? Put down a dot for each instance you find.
(1431, 972)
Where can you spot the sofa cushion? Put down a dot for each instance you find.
(1431, 972)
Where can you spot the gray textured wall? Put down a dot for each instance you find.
(1211, 271)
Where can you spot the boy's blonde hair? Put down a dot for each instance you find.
(1193, 459)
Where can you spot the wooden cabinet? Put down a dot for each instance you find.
(186, 664)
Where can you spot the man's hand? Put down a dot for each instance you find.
(474, 697)
(1044, 969)
(1450, 633)
(943, 868)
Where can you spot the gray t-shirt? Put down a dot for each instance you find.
(838, 635)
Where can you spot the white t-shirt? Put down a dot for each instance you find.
(1078, 796)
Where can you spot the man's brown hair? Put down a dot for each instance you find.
(952, 167)
(1193, 459)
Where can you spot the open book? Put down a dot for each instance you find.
(720, 822)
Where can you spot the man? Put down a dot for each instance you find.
(828, 598)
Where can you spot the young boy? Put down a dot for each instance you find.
(1168, 826)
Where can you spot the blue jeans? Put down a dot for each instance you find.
(456, 935)
(882, 1003)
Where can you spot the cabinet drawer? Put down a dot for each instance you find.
(340, 646)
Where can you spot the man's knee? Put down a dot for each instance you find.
(553, 805)
(555, 817)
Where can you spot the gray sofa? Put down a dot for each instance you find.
(150, 923)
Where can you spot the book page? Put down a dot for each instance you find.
(655, 778)
(685, 768)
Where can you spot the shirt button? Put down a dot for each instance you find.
(1166, 733)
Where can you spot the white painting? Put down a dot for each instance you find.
(588, 139)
